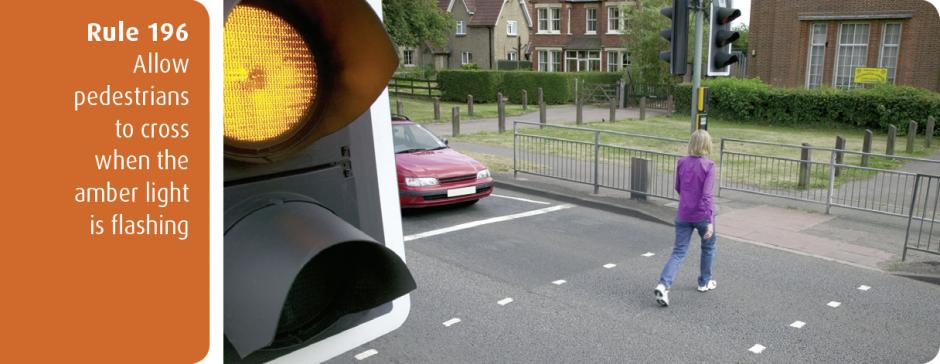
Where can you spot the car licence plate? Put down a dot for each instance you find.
(461, 191)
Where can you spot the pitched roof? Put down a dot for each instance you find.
(442, 4)
(486, 13)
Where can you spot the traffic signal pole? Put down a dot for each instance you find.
(696, 5)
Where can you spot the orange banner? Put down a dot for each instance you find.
(105, 248)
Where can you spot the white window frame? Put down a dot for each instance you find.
(466, 58)
(619, 19)
(620, 52)
(568, 26)
(512, 56)
(809, 54)
(461, 27)
(549, 59)
(586, 60)
(587, 20)
(881, 59)
(550, 22)
(839, 45)
(408, 57)
(512, 28)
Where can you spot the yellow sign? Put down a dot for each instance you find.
(871, 75)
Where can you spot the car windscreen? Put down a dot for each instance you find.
(413, 138)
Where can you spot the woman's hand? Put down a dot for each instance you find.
(709, 232)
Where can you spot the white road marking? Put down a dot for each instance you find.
(504, 301)
(492, 220)
(559, 282)
(522, 199)
(609, 265)
(798, 324)
(834, 304)
(863, 288)
(451, 321)
(366, 354)
(649, 254)
(757, 349)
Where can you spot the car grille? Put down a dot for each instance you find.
(457, 179)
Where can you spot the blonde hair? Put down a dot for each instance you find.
(700, 144)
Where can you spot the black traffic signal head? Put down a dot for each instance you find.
(720, 37)
(677, 35)
(309, 250)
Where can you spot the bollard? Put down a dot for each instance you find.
(578, 113)
(866, 147)
(470, 105)
(892, 135)
(543, 116)
(620, 95)
(805, 166)
(525, 100)
(840, 145)
(639, 178)
(911, 134)
(501, 112)
(399, 107)
(576, 98)
(929, 132)
(643, 108)
(541, 96)
(455, 121)
(613, 110)
(437, 108)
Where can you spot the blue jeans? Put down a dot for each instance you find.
(683, 235)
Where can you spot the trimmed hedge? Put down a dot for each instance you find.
(872, 108)
(513, 65)
(557, 87)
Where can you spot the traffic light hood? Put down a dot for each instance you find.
(299, 70)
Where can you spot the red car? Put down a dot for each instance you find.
(430, 173)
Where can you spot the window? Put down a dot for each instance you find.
(409, 57)
(583, 61)
(549, 60)
(617, 60)
(512, 56)
(816, 56)
(549, 20)
(890, 47)
(461, 28)
(591, 21)
(511, 28)
(613, 19)
(466, 58)
(852, 53)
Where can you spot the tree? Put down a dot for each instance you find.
(741, 43)
(644, 22)
(412, 22)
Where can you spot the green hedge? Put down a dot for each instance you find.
(872, 108)
(513, 65)
(557, 87)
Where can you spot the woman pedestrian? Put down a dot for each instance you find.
(695, 180)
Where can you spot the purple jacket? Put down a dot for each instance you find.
(695, 181)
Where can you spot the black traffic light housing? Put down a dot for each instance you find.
(677, 35)
(720, 37)
(312, 247)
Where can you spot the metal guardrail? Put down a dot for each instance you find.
(922, 217)
(831, 183)
(640, 172)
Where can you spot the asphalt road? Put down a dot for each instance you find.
(608, 314)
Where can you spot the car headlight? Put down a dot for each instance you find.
(420, 181)
(483, 174)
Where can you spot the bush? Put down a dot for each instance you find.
(513, 65)
(469, 66)
(557, 87)
(873, 108)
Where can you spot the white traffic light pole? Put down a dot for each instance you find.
(697, 6)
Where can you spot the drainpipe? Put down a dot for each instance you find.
(492, 46)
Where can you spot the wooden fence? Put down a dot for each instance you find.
(414, 87)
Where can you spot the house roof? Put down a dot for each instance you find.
(486, 12)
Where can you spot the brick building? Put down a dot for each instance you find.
(815, 43)
(578, 35)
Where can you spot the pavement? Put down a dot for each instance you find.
(524, 278)
(558, 115)
(850, 237)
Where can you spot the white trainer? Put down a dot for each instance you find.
(708, 287)
(662, 295)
